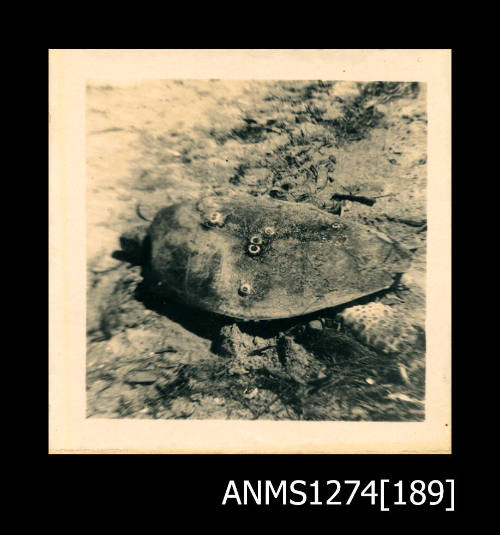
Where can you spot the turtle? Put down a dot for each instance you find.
(258, 259)
(255, 259)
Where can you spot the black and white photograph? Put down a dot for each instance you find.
(256, 249)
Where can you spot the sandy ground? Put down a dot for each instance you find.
(163, 141)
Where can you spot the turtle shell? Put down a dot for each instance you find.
(259, 258)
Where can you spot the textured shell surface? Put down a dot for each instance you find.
(379, 326)
(259, 258)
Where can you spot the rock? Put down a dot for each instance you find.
(300, 365)
(143, 377)
(232, 342)
(403, 397)
(359, 413)
(345, 90)
(315, 325)
(182, 408)
(251, 394)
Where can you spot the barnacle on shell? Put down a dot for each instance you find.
(245, 288)
(254, 249)
(256, 239)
